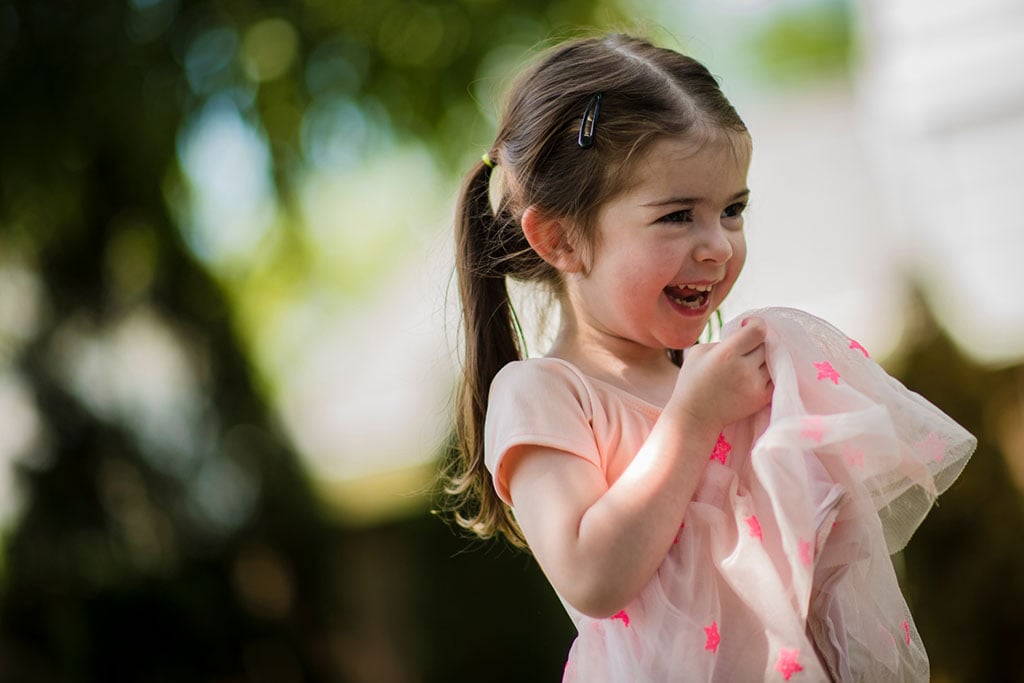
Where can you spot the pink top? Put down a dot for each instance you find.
(781, 570)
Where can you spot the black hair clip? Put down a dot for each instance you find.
(588, 126)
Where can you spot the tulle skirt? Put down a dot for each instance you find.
(781, 570)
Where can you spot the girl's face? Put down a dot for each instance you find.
(668, 250)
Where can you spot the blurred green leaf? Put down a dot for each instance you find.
(804, 42)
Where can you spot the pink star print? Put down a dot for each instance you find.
(813, 428)
(722, 448)
(856, 345)
(713, 637)
(854, 456)
(681, 527)
(932, 448)
(788, 664)
(805, 552)
(621, 616)
(826, 371)
(906, 631)
(755, 527)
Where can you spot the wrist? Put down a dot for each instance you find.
(696, 421)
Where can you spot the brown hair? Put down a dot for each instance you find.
(647, 93)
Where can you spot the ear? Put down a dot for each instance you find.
(547, 236)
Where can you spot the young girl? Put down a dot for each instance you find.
(721, 513)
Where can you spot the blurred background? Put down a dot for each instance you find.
(229, 340)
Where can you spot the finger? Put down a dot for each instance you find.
(750, 336)
(697, 350)
(752, 320)
(751, 324)
(764, 374)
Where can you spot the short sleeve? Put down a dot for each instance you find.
(538, 402)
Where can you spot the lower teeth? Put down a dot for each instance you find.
(695, 302)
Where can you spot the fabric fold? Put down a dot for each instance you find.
(782, 568)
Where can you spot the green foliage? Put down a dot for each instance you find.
(405, 65)
(806, 42)
(167, 530)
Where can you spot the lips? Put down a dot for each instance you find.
(691, 296)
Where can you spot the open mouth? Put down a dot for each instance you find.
(693, 297)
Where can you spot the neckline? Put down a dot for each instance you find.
(625, 394)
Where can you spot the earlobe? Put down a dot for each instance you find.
(548, 238)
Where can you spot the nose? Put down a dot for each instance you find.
(714, 246)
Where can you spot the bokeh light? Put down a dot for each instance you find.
(229, 332)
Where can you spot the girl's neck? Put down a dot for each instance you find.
(646, 373)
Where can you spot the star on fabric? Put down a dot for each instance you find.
(932, 447)
(805, 552)
(788, 664)
(906, 631)
(826, 371)
(813, 428)
(621, 616)
(713, 638)
(722, 448)
(681, 527)
(856, 345)
(755, 527)
(854, 456)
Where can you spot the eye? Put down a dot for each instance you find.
(682, 216)
(734, 210)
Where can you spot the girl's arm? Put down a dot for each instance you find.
(599, 545)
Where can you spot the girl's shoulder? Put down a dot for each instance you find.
(539, 402)
(548, 378)
(543, 378)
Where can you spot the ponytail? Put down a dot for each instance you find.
(486, 250)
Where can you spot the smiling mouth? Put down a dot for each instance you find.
(690, 296)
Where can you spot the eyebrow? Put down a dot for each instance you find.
(743, 194)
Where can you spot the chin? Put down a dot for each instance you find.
(680, 342)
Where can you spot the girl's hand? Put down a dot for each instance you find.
(600, 544)
(724, 382)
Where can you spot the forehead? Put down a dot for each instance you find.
(711, 160)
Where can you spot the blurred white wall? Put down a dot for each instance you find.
(907, 172)
(941, 93)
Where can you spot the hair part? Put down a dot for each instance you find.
(648, 93)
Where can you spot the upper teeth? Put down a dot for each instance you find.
(699, 288)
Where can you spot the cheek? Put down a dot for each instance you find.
(631, 270)
(739, 254)
(739, 257)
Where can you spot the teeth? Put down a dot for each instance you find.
(691, 296)
(699, 288)
(697, 302)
